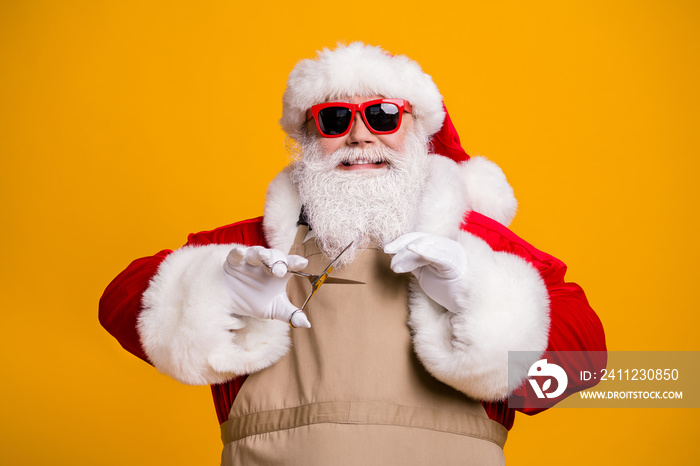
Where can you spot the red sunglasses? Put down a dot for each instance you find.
(382, 116)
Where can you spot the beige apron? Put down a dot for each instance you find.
(351, 391)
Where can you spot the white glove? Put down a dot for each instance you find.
(259, 290)
(439, 264)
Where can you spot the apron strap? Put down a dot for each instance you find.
(302, 231)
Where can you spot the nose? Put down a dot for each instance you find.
(359, 134)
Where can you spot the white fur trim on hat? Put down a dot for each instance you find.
(360, 70)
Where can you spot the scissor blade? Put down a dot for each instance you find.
(342, 281)
(313, 278)
(336, 258)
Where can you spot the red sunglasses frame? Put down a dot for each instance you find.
(403, 105)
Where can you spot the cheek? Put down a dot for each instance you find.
(327, 145)
(396, 141)
(330, 145)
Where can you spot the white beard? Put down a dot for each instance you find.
(365, 207)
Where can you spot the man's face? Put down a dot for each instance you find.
(361, 187)
(361, 137)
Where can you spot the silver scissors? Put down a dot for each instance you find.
(317, 280)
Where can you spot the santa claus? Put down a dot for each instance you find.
(409, 366)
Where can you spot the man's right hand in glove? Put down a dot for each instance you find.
(257, 280)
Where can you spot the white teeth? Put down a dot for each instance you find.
(361, 162)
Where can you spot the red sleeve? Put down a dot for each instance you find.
(574, 326)
(120, 304)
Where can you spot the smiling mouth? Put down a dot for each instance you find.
(361, 165)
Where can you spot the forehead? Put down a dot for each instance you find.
(355, 99)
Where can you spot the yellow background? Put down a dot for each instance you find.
(125, 125)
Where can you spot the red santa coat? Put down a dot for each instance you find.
(547, 314)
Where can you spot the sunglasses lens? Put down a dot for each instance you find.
(383, 117)
(334, 120)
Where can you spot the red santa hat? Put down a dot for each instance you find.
(365, 70)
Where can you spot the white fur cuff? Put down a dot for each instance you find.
(187, 326)
(505, 307)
